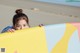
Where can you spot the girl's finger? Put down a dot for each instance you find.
(41, 25)
(11, 30)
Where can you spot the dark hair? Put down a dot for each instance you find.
(19, 15)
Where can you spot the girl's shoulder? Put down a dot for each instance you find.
(6, 28)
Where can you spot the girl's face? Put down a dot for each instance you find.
(21, 25)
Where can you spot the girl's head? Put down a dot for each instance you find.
(20, 20)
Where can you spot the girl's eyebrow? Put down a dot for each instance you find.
(17, 24)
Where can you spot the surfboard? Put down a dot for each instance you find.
(56, 38)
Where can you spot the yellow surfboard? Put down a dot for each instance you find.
(59, 38)
(31, 40)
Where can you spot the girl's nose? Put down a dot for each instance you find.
(22, 27)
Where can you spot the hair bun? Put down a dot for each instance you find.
(19, 11)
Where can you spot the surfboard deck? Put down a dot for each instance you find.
(59, 38)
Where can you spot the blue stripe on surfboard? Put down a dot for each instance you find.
(74, 43)
(53, 34)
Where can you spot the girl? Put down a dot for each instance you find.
(20, 21)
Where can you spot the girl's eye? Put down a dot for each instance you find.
(24, 25)
(17, 25)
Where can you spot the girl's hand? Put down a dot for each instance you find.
(41, 25)
(10, 30)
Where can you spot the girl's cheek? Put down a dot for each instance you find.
(17, 28)
(27, 27)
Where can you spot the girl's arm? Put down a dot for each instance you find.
(8, 29)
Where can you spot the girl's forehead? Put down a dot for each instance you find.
(21, 21)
